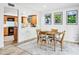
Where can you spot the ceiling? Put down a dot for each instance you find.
(45, 6)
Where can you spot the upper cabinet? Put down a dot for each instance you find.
(10, 20)
(5, 19)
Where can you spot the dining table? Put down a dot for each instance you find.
(50, 33)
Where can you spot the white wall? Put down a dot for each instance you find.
(72, 31)
(10, 11)
(1, 27)
(27, 32)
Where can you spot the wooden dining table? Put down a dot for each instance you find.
(52, 33)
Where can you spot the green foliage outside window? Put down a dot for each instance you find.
(72, 19)
(58, 17)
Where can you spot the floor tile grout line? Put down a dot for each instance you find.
(25, 51)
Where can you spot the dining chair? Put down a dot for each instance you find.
(52, 37)
(60, 38)
(42, 37)
(37, 32)
(52, 31)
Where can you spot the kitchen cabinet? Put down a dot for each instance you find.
(5, 31)
(15, 34)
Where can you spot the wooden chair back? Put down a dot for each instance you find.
(63, 34)
(38, 31)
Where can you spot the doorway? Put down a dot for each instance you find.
(10, 30)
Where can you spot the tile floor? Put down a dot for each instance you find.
(34, 49)
(8, 40)
(31, 48)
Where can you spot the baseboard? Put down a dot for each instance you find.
(75, 42)
(26, 41)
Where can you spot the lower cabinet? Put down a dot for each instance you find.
(11, 31)
(15, 34)
(5, 31)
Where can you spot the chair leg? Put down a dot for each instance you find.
(61, 45)
(37, 41)
(54, 45)
(44, 42)
(40, 42)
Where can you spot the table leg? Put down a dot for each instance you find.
(54, 42)
(38, 40)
